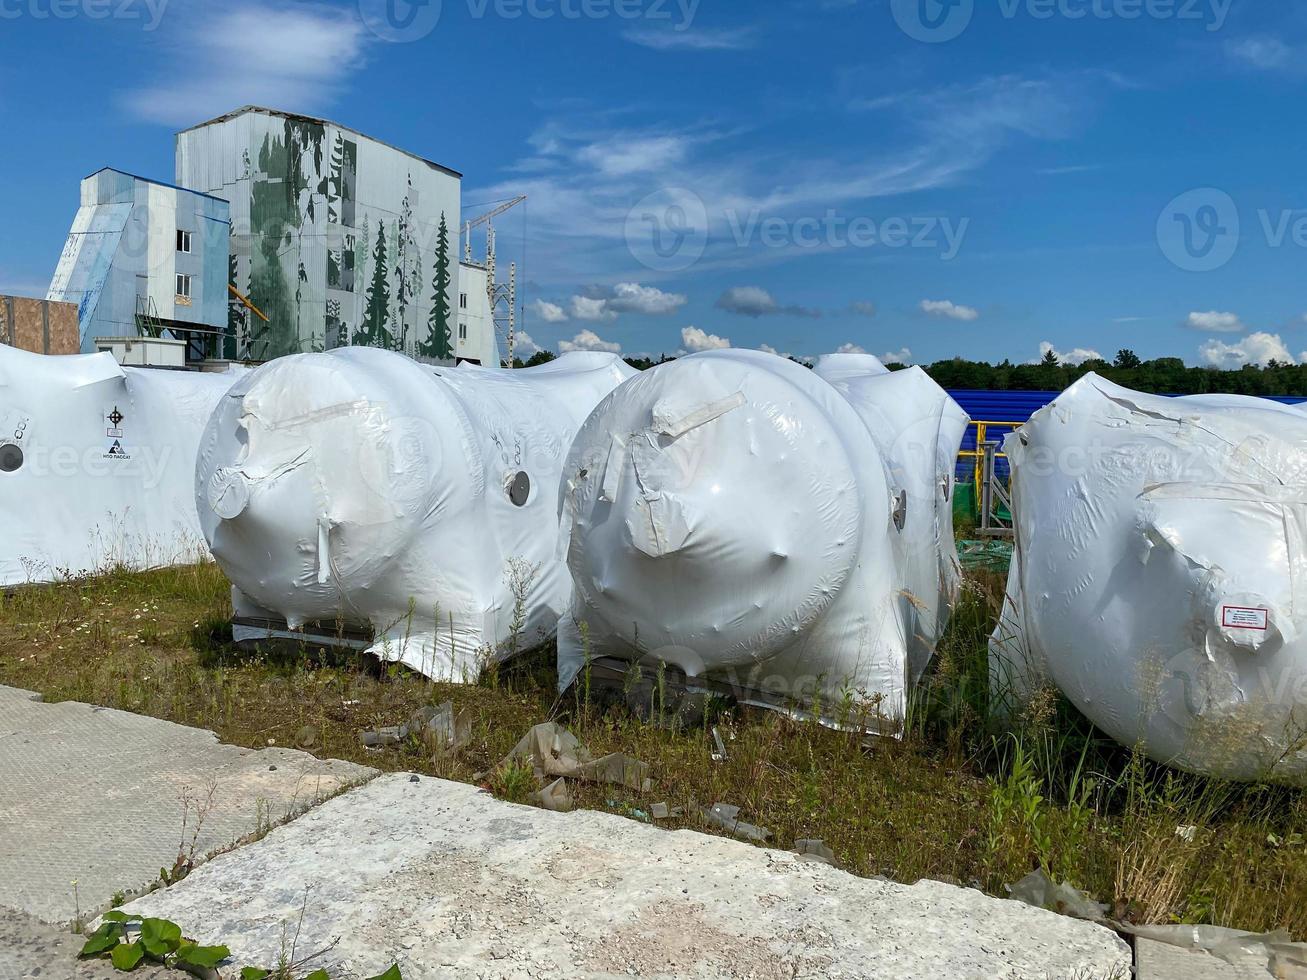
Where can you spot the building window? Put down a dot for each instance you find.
(462, 331)
(184, 241)
(183, 286)
(462, 301)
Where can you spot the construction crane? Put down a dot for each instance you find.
(500, 296)
(484, 219)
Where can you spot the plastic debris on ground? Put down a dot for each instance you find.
(1156, 580)
(1281, 957)
(814, 850)
(1039, 890)
(441, 727)
(727, 817)
(553, 751)
(780, 532)
(993, 555)
(412, 503)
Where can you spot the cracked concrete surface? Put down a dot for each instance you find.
(95, 795)
(449, 882)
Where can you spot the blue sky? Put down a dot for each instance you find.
(975, 179)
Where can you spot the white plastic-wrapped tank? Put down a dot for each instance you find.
(733, 514)
(1160, 574)
(360, 488)
(97, 463)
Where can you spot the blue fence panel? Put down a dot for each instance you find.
(1015, 406)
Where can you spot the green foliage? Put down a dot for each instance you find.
(1163, 376)
(162, 942)
(127, 956)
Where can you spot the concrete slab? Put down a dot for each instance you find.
(449, 882)
(1158, 961)
(94, 795)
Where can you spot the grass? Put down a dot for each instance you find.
(959, 797)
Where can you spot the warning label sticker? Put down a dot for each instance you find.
(114, 434)
(1245, 618)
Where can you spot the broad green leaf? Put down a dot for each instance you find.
(103, 939)
(318, 975)
(127, 956)
(160, 937)
(116, 916)
(254, 973)
(391, 974)
(209, 956)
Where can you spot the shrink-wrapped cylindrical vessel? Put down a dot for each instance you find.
(1160, 574)
(732, 515)
(97, 464)
(361, 488)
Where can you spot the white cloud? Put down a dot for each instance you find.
(850, 349)
(695, 339)
(1213, 322)
(754, 301)
(862, 308)
(585, 171)
(1265, 53)
(524, 344)
(1256, 348)
(591, 309)
(548, 312)
(289, 55)
(1074, 357)
(589, 340)
(631, 297)
(691, 40)
(602, 305)
(903, 356)
(947, 308)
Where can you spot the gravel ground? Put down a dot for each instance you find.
(29, 948)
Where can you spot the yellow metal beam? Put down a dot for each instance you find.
(245, 302)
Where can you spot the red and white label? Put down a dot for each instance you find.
(1245, 618)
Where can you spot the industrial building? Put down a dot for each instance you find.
(143, 257)
(283, 234)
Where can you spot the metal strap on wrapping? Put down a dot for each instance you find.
(9, 337)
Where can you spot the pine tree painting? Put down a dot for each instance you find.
(439, 342)
(375, 331)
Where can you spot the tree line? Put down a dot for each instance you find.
(1162, 376)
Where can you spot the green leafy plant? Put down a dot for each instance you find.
(130, 940)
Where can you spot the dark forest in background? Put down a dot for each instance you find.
(1163, 376)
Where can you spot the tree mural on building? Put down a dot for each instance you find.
(439, 341)
(375, 331)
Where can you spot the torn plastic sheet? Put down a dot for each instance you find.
(97, 464)
(554, 751)
(784, 532)
(1236, 947)
(1039, 890)
(727, 817)
(360, 488)
(1159, 578)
